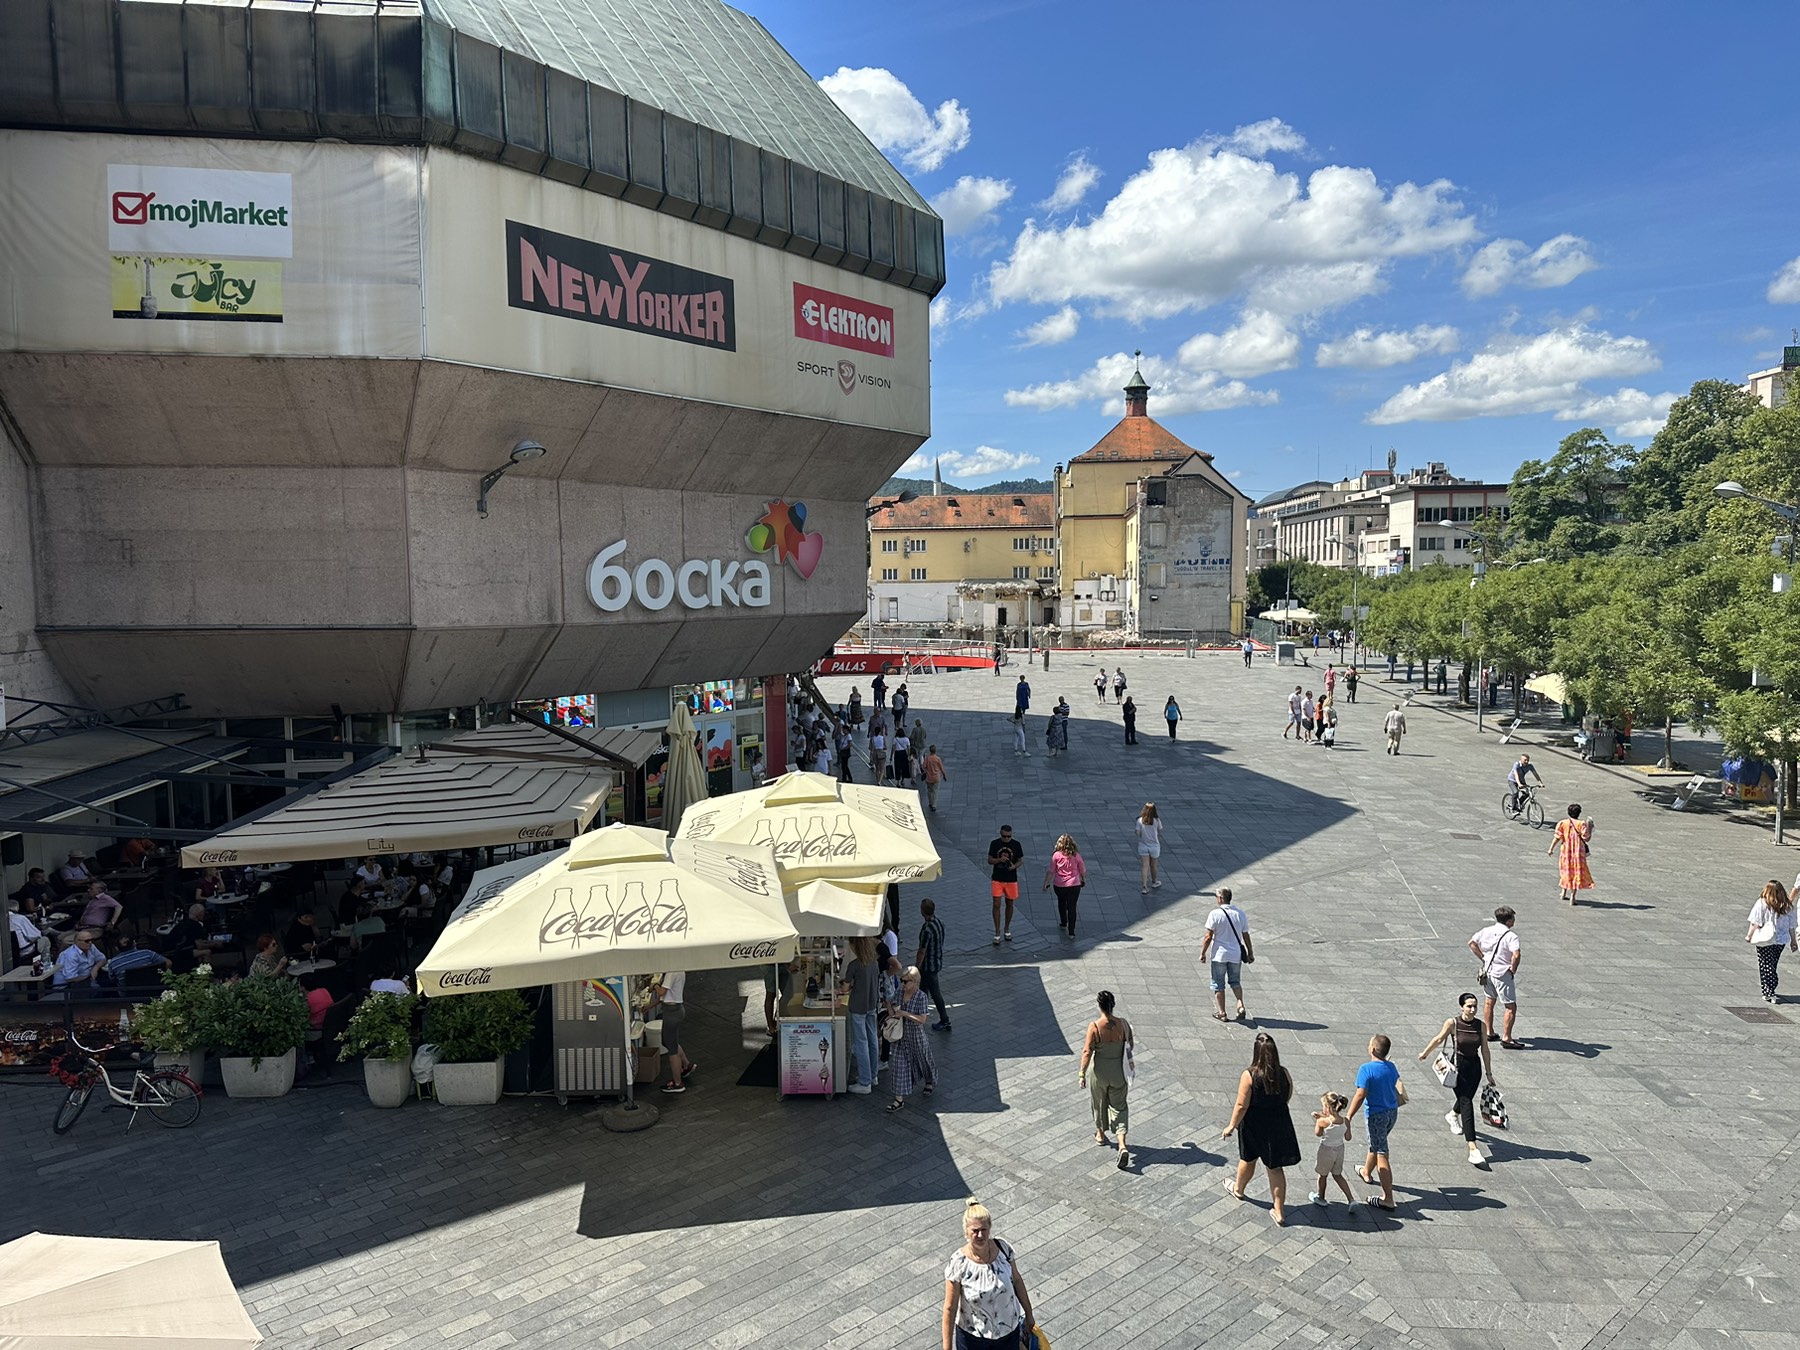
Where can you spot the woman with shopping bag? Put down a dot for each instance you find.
(1462, 1066)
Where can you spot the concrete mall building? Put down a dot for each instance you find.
(375, 361)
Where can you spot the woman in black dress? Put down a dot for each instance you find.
(1130, 720)
(1468, 1041)
(1263, 1125)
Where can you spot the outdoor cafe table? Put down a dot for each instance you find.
(308, 967)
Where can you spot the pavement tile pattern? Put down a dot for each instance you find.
(1644, 1195)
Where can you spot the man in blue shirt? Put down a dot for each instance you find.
(1377, 1085)
(130, 956)
(79, 963)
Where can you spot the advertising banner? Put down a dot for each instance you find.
(527, 274)
(244, 290)
(187, 245)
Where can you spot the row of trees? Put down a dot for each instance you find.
(1623, 571)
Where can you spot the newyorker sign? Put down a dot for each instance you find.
(597, 283)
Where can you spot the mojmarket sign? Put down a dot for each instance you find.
(179, 212)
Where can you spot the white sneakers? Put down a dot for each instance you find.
(1454, 1124)
(860, 1089)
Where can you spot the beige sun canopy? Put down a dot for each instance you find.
(504, 784)
(83, 1293)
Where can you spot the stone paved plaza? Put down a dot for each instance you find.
(1645, 1194)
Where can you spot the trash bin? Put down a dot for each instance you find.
(1284, 653)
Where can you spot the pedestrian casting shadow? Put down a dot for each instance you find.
(1451, 1199)
(1558, 1045)
(1186, 1154)
(1506, 1150)
(1609, 904)
(1285, 1024)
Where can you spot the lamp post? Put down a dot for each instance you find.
(1480, 571)
(1791, 514)
(1337, 540)
(521, 452)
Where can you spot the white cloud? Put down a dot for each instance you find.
(1785, 289)
(880, 104)
(1052, 329)
(1367, 349)
(1075, 182)
(1264, 137)
(970, 202)
(1510, 262)
(984, 461)
(1631, 413)
(1513, 374)
(1174, 390)
(1259, 344)
(1208, 222)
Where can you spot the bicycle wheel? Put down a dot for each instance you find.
(70, 1111)
(171, 1097)
(1508, 808)
(1534, 813)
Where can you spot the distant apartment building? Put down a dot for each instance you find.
(1381, 521)
(969, 561)
(1773, 387)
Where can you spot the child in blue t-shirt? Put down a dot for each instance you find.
(1378, 1086)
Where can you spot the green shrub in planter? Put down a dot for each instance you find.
(252, 1018)
(470, 1028)
(381, 1028)
(174, 1022)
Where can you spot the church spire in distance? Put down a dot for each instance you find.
(1137, 393)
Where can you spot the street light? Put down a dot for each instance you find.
(521, 452)
(1337, 540)
(1732, 488)
(909, 495)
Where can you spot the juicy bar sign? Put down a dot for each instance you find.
(596, 283)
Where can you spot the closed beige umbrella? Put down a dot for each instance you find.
(684, 781)
(82, 1293)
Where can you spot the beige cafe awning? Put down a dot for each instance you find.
(504, 784)
(625, 900)
(1551, 686)
(823, 829)
(836, 909)
(83, 1293)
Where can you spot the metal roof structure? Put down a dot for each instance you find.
(504, 784)
(684, 106)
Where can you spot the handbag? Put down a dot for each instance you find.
(1444, 1066)
(893, 1028)
(1764, 936)
(1243, 942)
(1493, 1106)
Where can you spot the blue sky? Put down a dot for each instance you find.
(1459, 231)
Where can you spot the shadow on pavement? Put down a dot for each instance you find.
(1557, 1045)
(1185, 1154)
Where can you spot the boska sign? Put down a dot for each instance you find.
(699, 583)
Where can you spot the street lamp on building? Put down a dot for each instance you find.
(521, 452)
(869, 512)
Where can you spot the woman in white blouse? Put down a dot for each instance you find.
(985, 1303)
(1149, 846)
(1771, 929)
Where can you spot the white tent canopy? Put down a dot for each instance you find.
(82, 1293)
(625, 900)
(1298, 614)
(833, 909)
(503, 784)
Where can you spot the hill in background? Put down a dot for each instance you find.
(1008, 487)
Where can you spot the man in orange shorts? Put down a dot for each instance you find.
(1004, 856)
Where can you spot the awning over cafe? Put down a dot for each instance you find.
(504, 784)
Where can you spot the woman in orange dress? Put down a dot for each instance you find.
(1572, 837)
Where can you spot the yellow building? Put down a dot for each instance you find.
(968, 564)
(1101, 551)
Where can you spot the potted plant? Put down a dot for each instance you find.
(171, 1025)
(473, 1032)
(380, 1033)
(257, 1026)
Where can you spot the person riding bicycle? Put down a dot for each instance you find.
(1515, 781)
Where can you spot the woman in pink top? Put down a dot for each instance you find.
(1068, 874)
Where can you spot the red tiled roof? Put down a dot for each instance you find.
(967, 511)
(1139, 438)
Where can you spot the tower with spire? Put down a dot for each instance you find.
(1137, 393)
(937, 477)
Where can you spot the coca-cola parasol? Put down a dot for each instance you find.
(822, 829)
(625, 900)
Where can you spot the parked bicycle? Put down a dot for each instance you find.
(1523, 802)
(169, 1095)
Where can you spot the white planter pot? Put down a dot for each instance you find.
(274, 1077)
(469, 1084)
(389, 1081)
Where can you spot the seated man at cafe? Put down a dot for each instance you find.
(135, 852)
(73, 876)
(80, 965)
(371, 872)
(390, 983)
(187, 940)
(350, 903)
(27, 938)
(131, 957)
(36, 894)
(303, 939)
(102, 910)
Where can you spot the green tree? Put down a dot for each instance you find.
(1671, 479)
(1584, 483)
